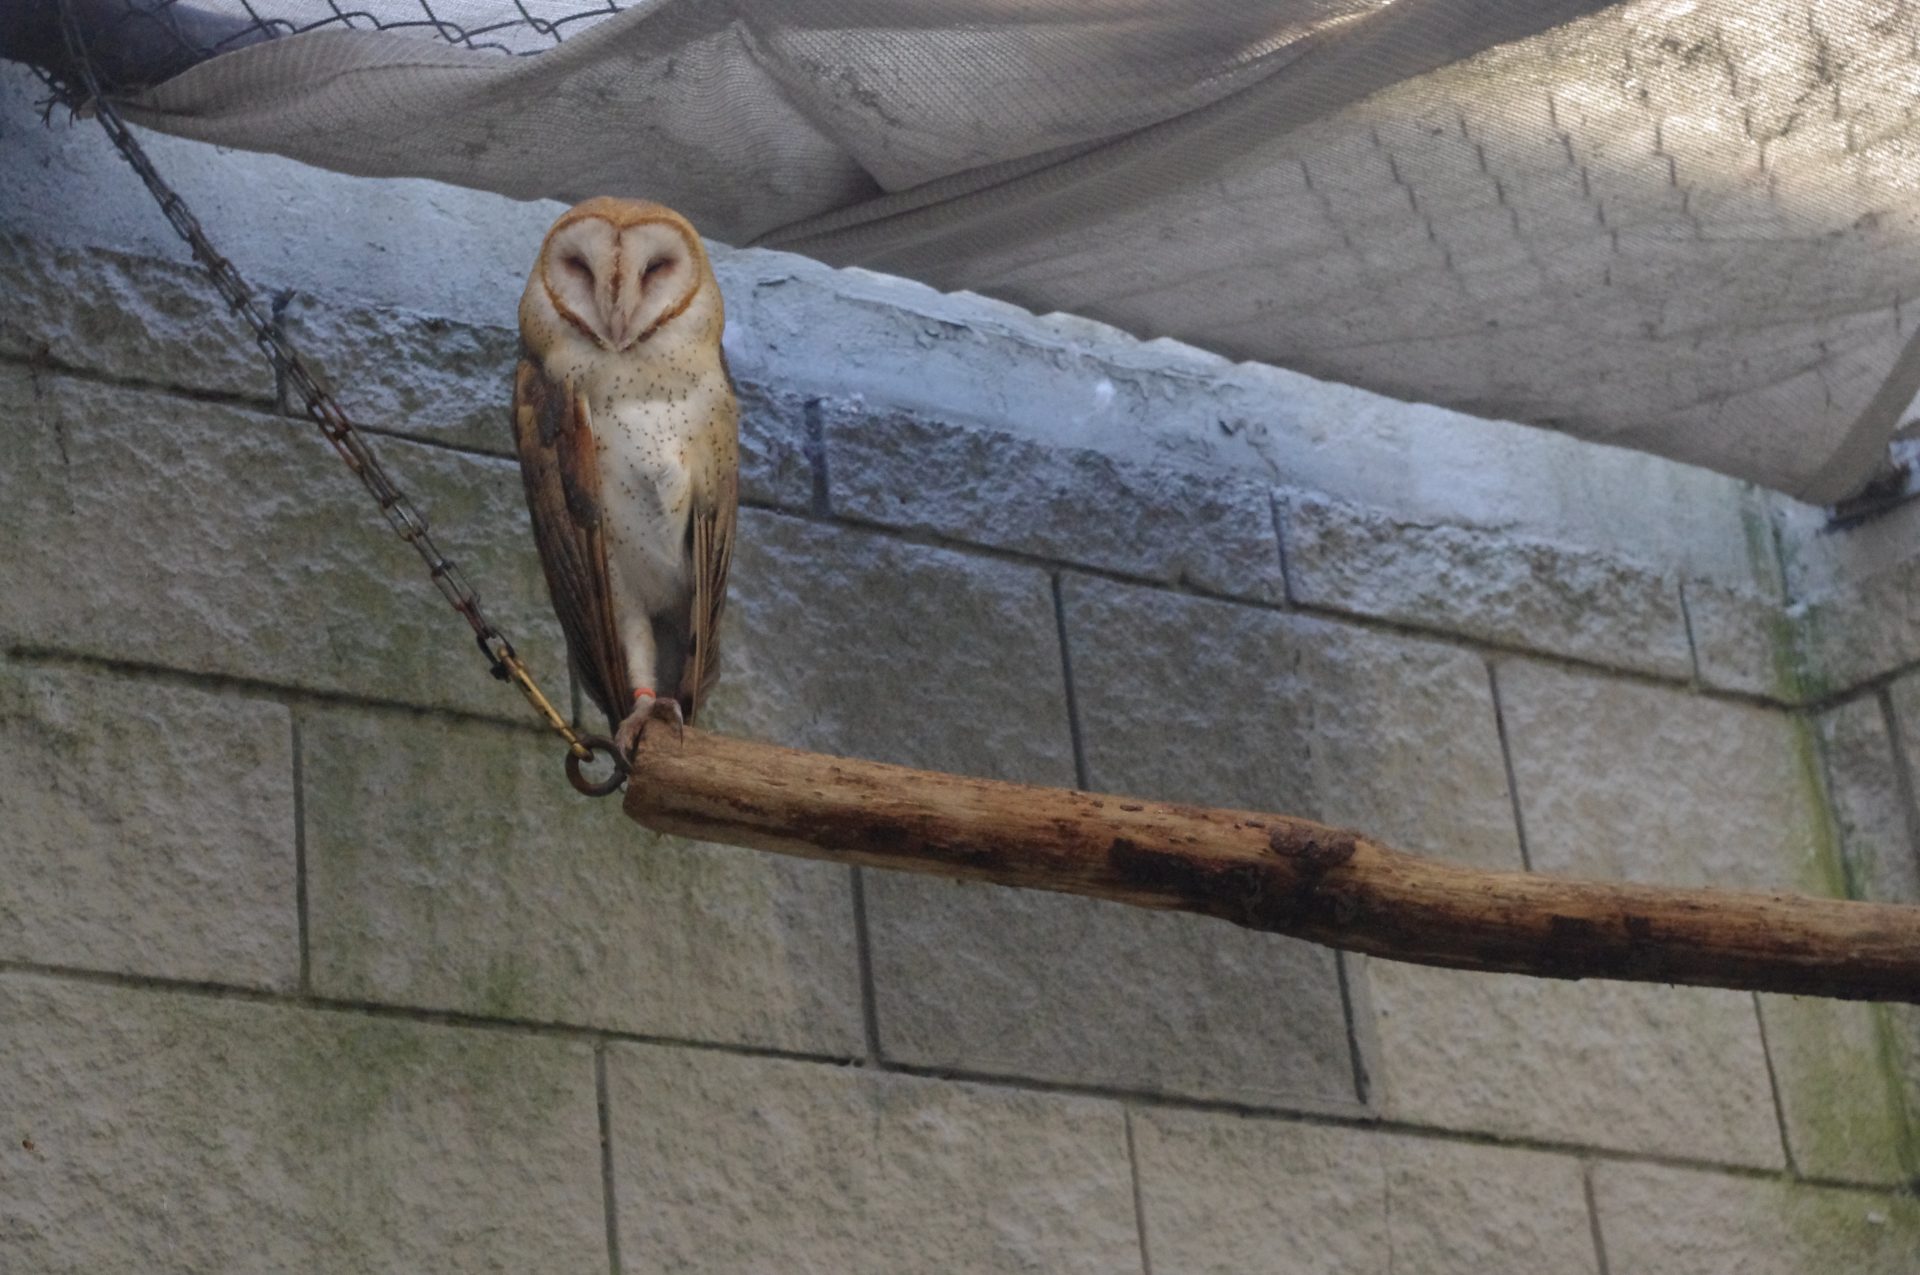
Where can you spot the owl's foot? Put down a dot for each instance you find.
(646, 707)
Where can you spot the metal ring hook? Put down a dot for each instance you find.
(596, 788)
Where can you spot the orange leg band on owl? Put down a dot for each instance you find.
(646, 691)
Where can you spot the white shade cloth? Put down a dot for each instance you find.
(1686, 226)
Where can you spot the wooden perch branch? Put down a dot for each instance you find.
(1269, 872)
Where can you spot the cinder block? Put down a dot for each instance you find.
(1076, 991)
(152, 1131)
(1868, 793)
(860, 644)
(428, 377)
(1186, 699)
(1848, 1077)
(1214, 531)
(1857, 601)
(1884, 872)
(126, 317)
(1858, 631)
(1626, 781)
(146, 828)
(1675, 1071)
(725, 1164)
(1745, 640)
(1664, 1221)
(157, 530)
(855, 642)
(1632, 782)
(776, 465)
(450, 866)
(1848, 1074)
(1195, 700)
(1492, 586)
(1233, 1194)
(414, 374)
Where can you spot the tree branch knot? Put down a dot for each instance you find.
(1314, 853)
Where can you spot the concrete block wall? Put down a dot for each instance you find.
(309, 958)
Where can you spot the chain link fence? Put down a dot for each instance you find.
(134, 44)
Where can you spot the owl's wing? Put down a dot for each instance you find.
(553, 432)
(716, 510)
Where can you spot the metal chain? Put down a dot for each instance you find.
(351, 445)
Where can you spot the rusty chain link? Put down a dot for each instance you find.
(351, 445)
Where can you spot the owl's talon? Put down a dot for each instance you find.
(668, 710)
(647, 707)
(626, 736)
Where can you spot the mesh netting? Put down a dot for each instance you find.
(518, 27)
(135, 44)
(1690, 227)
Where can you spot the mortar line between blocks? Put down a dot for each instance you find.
(1506, 760)
(281, 298)
(814, 441)
(1693, 645)
(863, 952)
(1277, 508)
(1593, 1217)
(1773, 1086)
(1346, 1117)
(1776, 538)
(1321, 1115)
(53, 364)
(450, 439)
(300, 894)
(42, 653)
(1902, 771)
(1455, 639)
(273, 408)
(1066, 675)
(609, 1200)
(1356, 1057)
(418, 439)
(278, 692)
(549, 1029)
(1139, 1193)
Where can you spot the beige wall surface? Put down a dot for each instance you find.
(310, 960)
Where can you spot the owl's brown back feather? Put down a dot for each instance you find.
(715, 516)
(553, 432)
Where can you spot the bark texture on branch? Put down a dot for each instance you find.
(1268, 872)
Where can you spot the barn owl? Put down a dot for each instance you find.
(627, 429)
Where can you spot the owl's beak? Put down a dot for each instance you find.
(625, 330)
(617, 306)
(622, 320)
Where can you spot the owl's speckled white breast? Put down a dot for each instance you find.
(653, 428)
